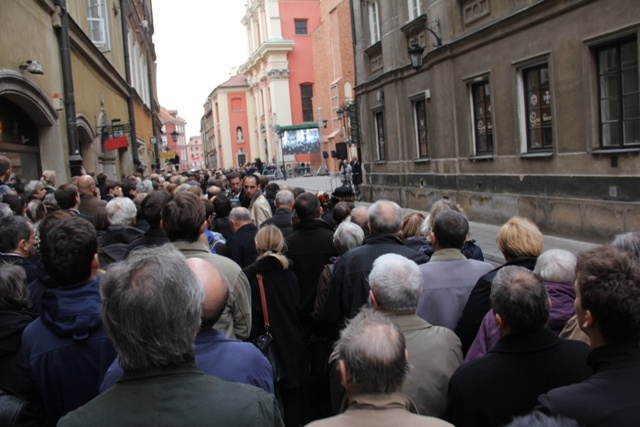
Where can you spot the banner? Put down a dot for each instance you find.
(115, 143)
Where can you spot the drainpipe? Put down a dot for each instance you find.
(127, 71)
(75, 159)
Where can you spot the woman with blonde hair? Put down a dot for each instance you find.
(48, 178)
(282, 296)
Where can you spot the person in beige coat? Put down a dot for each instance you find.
(372, 360)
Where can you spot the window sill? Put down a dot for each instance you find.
(422, 160)
(605, 151)
(482, 157)
(537, 155)
(380, 162)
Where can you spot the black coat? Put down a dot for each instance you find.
(479, 304)
(609, 397)
(281, 291)
(349, 289)
(282, 220)
(14, 374)
(242, 245)
(310, 247)
(506, 382)
(154, 236)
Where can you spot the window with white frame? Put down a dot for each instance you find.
(482, 117)
(421, 130)
(538, 120)
(97, 18)
(374, 22)
(618, 95)
(381, 142)
(414, 9)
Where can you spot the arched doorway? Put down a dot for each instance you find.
(28, 135)
(86, 138)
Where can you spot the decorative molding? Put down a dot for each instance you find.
(474, 10)
(282, 74)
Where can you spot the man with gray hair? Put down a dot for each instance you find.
(284, 211)
(529, 359)
(152, 308)
(372, 362)
(435, 352)
(241, 244)
(121, 212)
(349, 289)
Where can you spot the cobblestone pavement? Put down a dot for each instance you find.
(485, 234)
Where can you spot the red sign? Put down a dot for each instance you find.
(115, 143)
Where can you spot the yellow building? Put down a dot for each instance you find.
(66, 86)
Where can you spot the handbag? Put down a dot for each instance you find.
(264, 342)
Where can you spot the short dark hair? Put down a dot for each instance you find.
(110, 185)
(151, 207)
(520, 297)
(127, 186)
(341, 211)
(68, 250)
(451, 229)
(66, 195)
(609, 283)
(255, 179)
(307, 206)
(271, 189)
(182, 216)
(233, 175)
(222, 206)
(5, 164)
(12, 230)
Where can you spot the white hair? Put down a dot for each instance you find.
(121, 211)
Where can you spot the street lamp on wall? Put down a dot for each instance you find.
(416, 52)
(175, 135)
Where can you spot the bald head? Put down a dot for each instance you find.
(216, 290)
(86, 184)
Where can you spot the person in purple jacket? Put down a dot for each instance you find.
(557, 268)
(216, 355)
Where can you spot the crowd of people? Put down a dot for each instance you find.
(219, 297)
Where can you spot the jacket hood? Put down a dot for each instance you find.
(73, 312)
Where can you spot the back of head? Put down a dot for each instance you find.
(284, 198)
(121, 211)
(520, 297)
(222, 206)
(145, 186)
(629, 242)
(360, 216)
(85, 184)
(128, 186)
(216, 291)
(396, 283)
(557, 266)
(451, 229)
(240, 215)
(12, 231)
(385, 217)
(270, 242)
(410, 226)
(372, 349)
(5, 165)
(307, 207)
(520, 237)
(341, 211)
(608, 281)
(152, 304)
(49, 177)
(271, 189)
(66, 196)
(68, 248)
(36, 210)
(151, 207)
(14, 294)
(347, 236)
(182, 217)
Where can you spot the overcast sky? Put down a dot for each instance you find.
(197, 43)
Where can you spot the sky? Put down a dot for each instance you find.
(197, 44)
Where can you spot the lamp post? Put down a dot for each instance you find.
(280, 133)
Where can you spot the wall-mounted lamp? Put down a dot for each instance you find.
(415, 55)
(175, 135)
(32, 66)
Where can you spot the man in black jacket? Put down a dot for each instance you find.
(282, 217)
(241, 244)
(529, 359)
(608, 311)
(349, 289)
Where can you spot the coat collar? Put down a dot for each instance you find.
(447, 255)
(378, 401)
(527, 343)
(614, 356)
(409, 322)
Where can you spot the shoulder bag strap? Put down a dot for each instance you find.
(263, 300)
